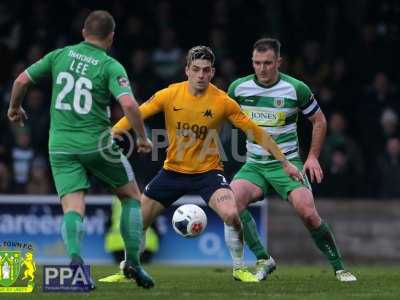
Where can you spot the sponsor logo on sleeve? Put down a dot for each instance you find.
(123, 81)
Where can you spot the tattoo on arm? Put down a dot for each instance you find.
(223, 198)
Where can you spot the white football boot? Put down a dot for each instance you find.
(345, 276)
(264, 267)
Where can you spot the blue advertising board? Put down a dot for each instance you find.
(37, 220)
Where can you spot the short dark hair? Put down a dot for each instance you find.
(99, 23)
(200, 52)
(266, 44)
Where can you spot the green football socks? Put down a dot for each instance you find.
(325, 241)
(72, 232)
(322, 236)
(251, 236)
(131, 229)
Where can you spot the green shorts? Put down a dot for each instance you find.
(70, 171)
(271, 176)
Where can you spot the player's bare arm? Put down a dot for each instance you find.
(16, 113)
(132, 112)
(265, 140)
(318, 136)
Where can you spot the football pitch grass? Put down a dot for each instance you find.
(287, 282)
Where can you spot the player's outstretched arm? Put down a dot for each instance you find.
(151, 107)
(253, 132)
(16, 113)
(265, 140)
(132, 113)
(311, 164)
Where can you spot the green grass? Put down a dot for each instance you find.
(288, 282)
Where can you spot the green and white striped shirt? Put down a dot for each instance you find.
(274, 108)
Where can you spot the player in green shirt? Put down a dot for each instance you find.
(84, 81)
(273, 100)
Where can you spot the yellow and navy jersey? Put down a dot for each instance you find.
(193, 123)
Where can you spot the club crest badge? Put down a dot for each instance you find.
(279, 102)
(13, 265)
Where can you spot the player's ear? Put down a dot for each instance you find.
(212, 73)
(279, 61)
(187, 70)
(110, 39)
(84, 34)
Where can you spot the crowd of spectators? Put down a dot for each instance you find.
(346, 51)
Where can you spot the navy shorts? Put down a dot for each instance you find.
(168, 186)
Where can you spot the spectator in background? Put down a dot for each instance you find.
(220, 13)
(5, 178)
(38, 122)
(163, 15)
(10, 27)
(39, 179)
(228, 69)
(310, 67)
(41, 23)
(5, 89)
(390, 124)
(342, 160)
(144, 80)
(383, 91)
(226, 74)
(338, 137)
(340, 87)
(339, 78)
(5, 92)
(22, 155)
(35, 53)
(135, 31)
(340, 175)
(167, 57)
(4, 143)
(367, 48)
(219, 43)
(380, 95)
(326, 96)
(389, 170)
(75, 27)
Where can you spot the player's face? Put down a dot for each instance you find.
(266, 65)
(199, 73)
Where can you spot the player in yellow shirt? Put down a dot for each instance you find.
(195, 110)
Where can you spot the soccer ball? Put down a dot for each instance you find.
(189, 220)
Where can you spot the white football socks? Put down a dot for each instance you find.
(234, 241)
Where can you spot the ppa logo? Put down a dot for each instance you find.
(66, 278)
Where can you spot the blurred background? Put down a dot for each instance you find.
(346, 51)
